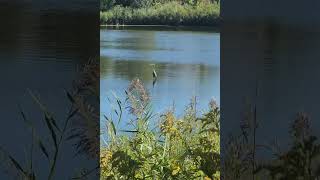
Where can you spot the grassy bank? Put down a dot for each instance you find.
(186, 147)
(171, 13)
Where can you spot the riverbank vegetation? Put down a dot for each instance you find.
(160, 12)
(299, 160)
(159, 146)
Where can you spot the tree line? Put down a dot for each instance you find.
(108, 4)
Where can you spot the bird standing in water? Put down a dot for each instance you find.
(154, 75)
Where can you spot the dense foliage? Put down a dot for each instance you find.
(301, 161)
(109, 4)
(160, 12)
(177, 148)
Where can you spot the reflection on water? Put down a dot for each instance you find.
(187, 64)
(142, 69)
(178, 47)
(282, 63)
(41, 50)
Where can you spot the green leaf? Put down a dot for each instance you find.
(25, 119)
(43, 149)
(120, 108)
(36, 99)
(72, 136)
(17, 165)
(113, 128)
(53, 134)
(116, 112)
(54, 123)
(73, 113)
(70, 97)
(130, 131)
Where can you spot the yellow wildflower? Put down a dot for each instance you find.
(105, 158)
(168, 122)
(176, 170)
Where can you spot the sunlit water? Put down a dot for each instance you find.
(187, 63)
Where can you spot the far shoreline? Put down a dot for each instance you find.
(201, 27)
(153, 25)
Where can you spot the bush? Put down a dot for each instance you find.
(106, 4)
(109, 4)
(172, 13)
(179, 148)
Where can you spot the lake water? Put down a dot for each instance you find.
(41, 50)
(187, 62)
(276, 68)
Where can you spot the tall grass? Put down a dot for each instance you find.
(80, 127)
(301, 160)
(177, 148)
(171, 13)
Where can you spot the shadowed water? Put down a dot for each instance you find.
(275, 68)
(41, 49)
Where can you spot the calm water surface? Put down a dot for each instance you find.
(187, 63)
(41, 50)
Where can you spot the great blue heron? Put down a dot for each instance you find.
(154, 74)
